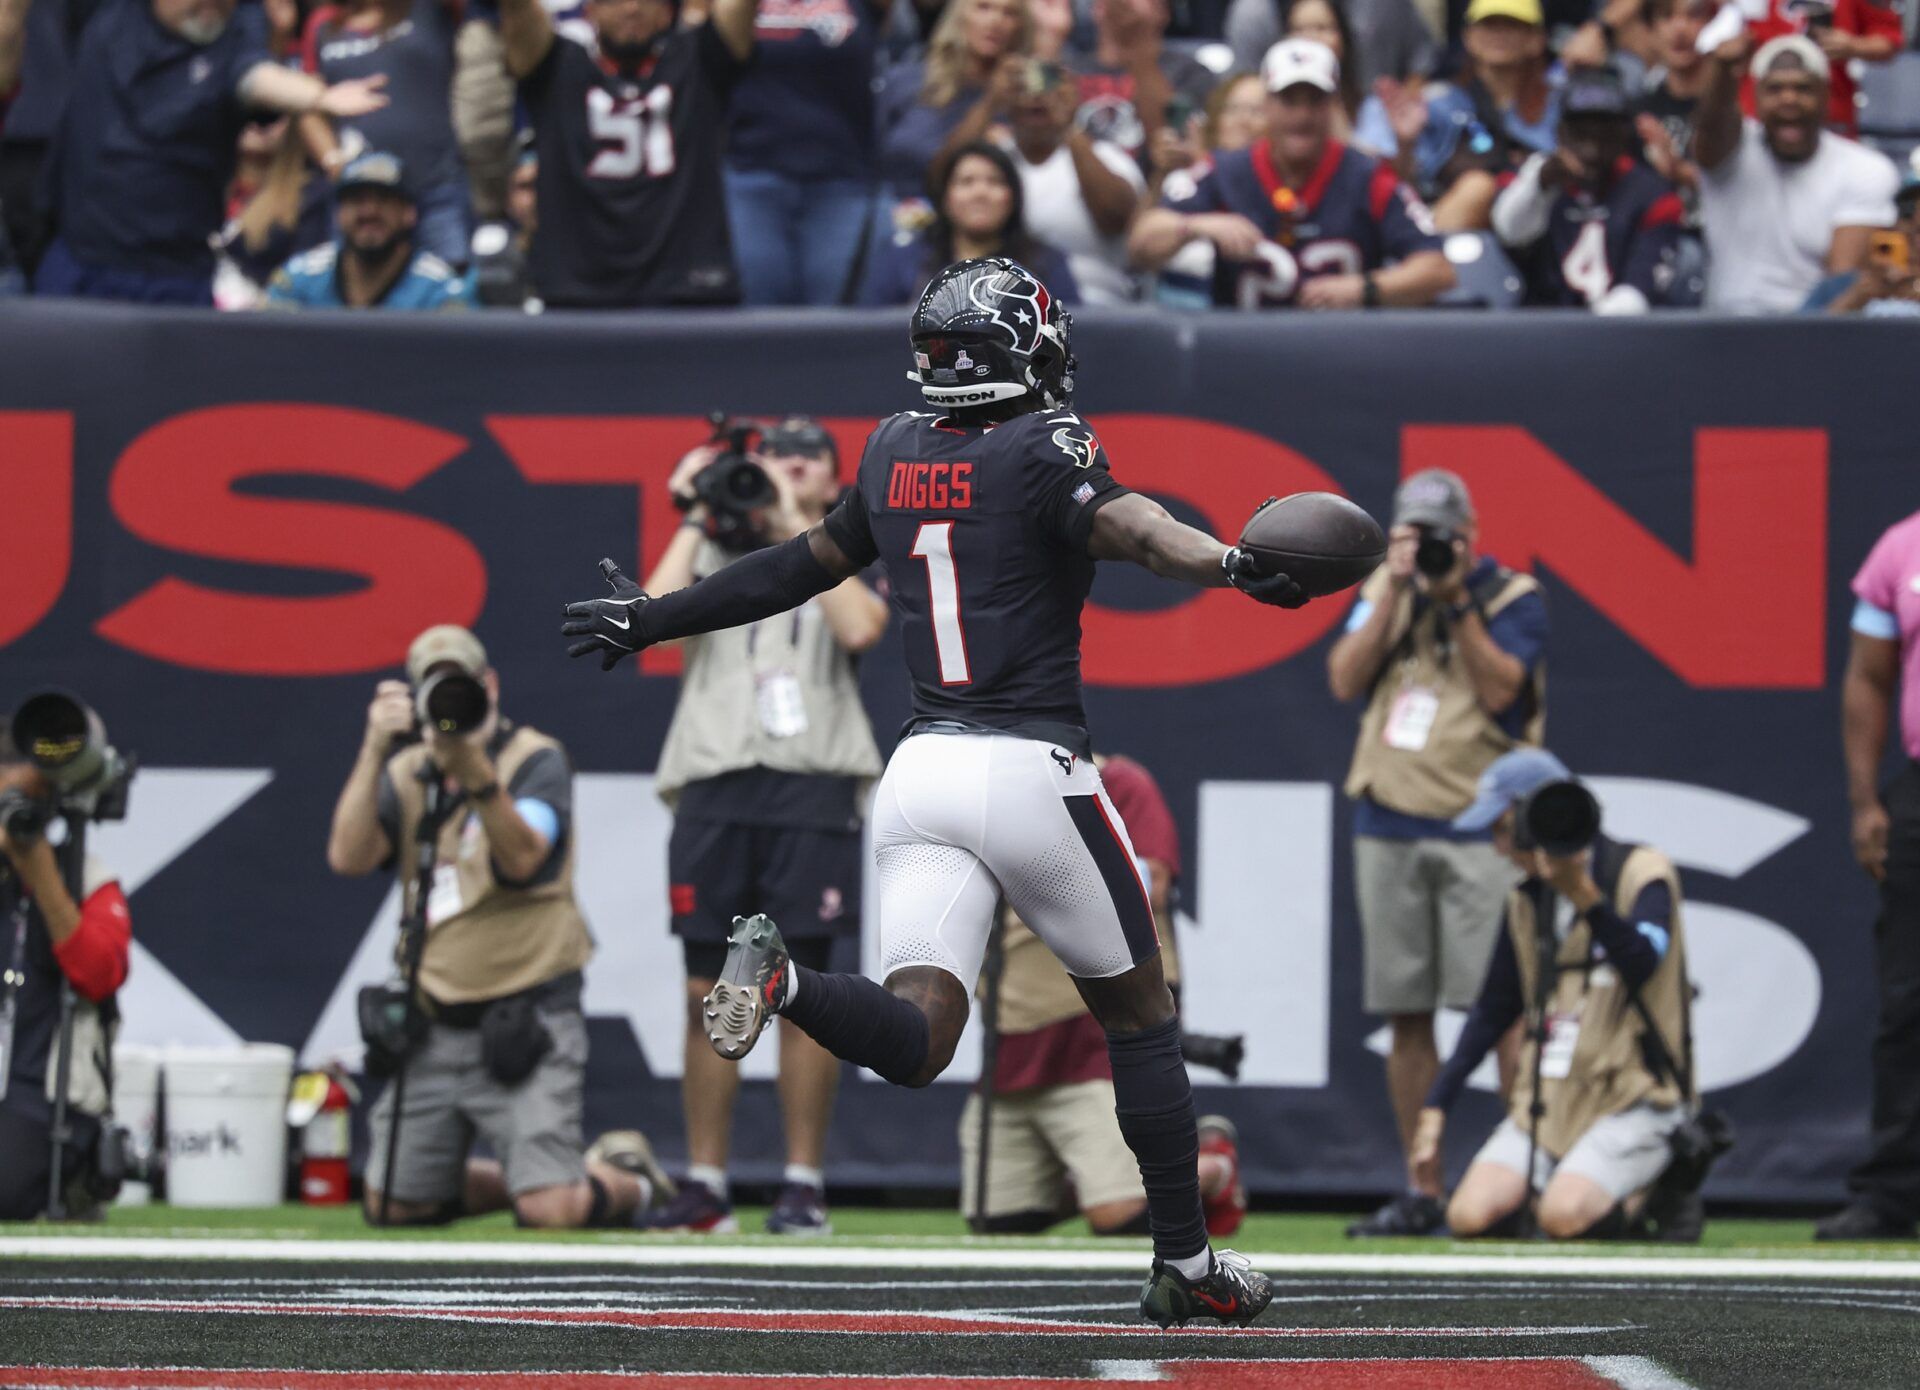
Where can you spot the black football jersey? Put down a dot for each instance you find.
(984, 533)
(631, 206)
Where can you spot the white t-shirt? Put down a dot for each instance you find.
(1057, 215)
(1769, 225)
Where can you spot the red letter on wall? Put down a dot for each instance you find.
(36, 478)
(174, 487)
(1748, 611)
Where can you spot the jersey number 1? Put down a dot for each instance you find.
(934, 544)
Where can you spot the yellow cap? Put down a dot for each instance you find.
(1526, 11)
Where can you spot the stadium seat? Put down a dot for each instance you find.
(1890, 96)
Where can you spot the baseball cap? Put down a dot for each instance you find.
(1433, 497)
(1800, 46)
(1595, 92)
(446, 642)
(802, 435)
(1526, 11)
(1509, 778)
(375, 169)
(1293, 61)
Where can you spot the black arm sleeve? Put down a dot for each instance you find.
(1635, 953)
(753, 587)
(1499, 1004)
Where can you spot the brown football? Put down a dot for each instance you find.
(1320, 540)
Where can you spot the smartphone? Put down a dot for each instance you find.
(1890, 249)
(1043, 77)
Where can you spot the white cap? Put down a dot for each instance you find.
(1292, 61)
(1800, 46)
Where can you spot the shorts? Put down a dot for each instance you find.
(1055, 1149)
(1621, 1154)
(706, 958)
(961, 821)
(535, 1128)
(1430, 911)
(808, 881)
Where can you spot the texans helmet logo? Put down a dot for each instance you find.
(1014, 304)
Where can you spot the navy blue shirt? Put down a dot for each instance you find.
(148, 142)
(415, 55)
(805, 107)
(911, 132)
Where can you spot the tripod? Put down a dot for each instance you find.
(1546, 976)
(73, 861)
(413, 946)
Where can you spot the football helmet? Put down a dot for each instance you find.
(987, 331)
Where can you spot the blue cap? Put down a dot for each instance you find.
(375, 169)
(1509, 778)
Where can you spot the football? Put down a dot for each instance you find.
(1320, 540)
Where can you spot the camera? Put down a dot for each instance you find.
(451, 703)
(24, 818)
(1216, 1052)
(1434, 556)
(733, 486)
(1561, 818)
(67, 741)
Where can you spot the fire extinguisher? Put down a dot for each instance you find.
(321, 1108)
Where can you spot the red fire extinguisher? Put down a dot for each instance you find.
(321, 1108)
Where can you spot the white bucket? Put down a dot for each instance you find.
(227, 1124)
(136, 1094)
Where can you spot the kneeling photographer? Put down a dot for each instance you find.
(1602, 1139)
(66, 954)
(486, 1035)
(766, 767)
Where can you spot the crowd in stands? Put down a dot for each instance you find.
(1613, 155)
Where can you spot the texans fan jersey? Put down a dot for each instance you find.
(984, 534)
(1352, 216)
(631, 207)
(1628, 236)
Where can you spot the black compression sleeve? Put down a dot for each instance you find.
(753, 587)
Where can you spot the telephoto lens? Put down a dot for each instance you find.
(1434, 556)
(452, 703)
(1561, 818)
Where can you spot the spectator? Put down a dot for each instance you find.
(1236, 114)
(48, 34)
(952, 99)
(1885, 286)
(979, 213)
(1079, 194)
(1324, 21)
(629, 140)
(1447, 649)
(500, 249)
(277, 207)
(1053, 25)
(1385, 38)
(143, 160)
(13, 44)
(1299, 219)
(1456, 142)
(1847, 31)
(1589, 223)
(1672, 91)
(1125, 86)
(1784, 202)
(800, 153)
(377, 261)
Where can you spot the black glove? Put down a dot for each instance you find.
(611, 626)
(1245, 576)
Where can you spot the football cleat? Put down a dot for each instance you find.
(800, 1210)
(1233, 1292)
(696, 1209)
(629, 1151)
(751, 988)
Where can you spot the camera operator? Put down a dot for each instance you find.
(1614, 1076)
(1447, 648)
(45, 938)
(503, 1049)
(766, 767)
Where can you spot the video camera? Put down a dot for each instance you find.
(1561, 818)
(87, 776)
(733, 486)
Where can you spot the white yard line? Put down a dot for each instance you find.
(1636, 1373)
(1013, 1260)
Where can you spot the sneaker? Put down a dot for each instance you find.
(1409, 1214)
(696, 1209)
(1225, 1212)
(629, 1151)
(1862, 1220)
(1233, 1292)
(800, 1210)
(751, 988)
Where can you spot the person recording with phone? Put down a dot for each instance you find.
(766, 767)
(1601, 1139)
(50, 939)
(1447, 650)
(491, 1038)
(1887, 284)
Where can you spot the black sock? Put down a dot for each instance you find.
(1155, 1105)
(858, 1021)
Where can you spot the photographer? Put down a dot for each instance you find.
(46, 938)
(1613, 1079)
(501, 1047)
(766, 768)
(1447, 648)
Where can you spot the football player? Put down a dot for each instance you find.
(990, 511)
(1299, 219)
(1590, 223)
